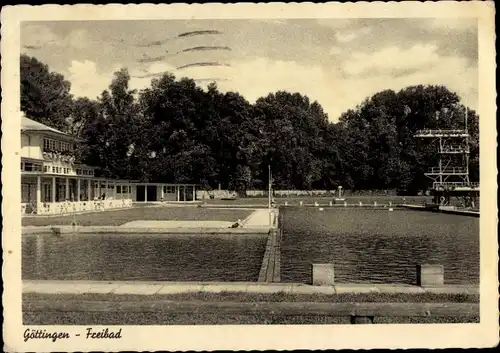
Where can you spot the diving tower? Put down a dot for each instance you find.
(451, 177)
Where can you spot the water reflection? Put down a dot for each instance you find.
(377, 246)
(143, 257)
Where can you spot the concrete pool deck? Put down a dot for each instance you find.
(256, 223)
(444, 209)
(177, 224)
(163, 288)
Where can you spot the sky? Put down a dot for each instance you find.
(337, 62)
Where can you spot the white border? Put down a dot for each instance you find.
(255, 337)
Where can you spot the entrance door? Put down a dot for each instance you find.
(152, 194)
(139, 195)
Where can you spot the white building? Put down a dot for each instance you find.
(52, 182)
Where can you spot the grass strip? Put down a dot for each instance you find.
(272, 297)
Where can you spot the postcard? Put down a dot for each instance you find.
(263, 176)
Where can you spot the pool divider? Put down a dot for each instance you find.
(270, 271)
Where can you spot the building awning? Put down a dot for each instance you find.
(32, 126)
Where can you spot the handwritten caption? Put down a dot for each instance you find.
(90, 334)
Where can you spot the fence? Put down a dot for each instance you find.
(52, 208)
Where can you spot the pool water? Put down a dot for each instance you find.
(378, 246)
(144, 257)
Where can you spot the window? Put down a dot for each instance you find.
(53, 145)
(130, 189)
(46, 168)
(53, 169)
(22, 166)
(118, 189)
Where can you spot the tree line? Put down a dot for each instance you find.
(176, 132)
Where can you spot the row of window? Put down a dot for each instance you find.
(83, 171)
(57, 170)
(33, 167)
(30, 167)
(169, 189)
(53, 145)
(123, 189)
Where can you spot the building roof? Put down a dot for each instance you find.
(32, 125)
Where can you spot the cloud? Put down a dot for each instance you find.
(86, 80)
(337, 23)
(452, 72)
(36, 34)
(392, 59)
(259, 77)
(139, 82)
(336, 51)
(348, 36)
(453, 23)
(76, 39)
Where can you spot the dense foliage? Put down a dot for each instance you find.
(174, 131)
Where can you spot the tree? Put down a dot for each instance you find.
(45, 95)
(111, 126)
(174, 131)
(381, 149)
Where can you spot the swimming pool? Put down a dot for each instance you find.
(378, 246)
(143, 257)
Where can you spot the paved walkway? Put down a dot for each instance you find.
(158, 288)
(259, 218)
(177, 224)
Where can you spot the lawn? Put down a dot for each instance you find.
(272, 297)
(200, 317)
(119, 217)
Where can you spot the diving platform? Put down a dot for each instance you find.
(433, 133)
(447, 171)
(450, 179)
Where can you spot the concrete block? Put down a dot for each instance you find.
(430, 275)
(322, 274)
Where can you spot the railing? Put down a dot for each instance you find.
(51, 208)
(454, 185)
(455, 149)
(444, 132)
(453, 170)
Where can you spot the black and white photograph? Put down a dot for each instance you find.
(260, 177)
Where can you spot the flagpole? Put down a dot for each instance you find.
(269, 187)
(466, 117)
(269, 194)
